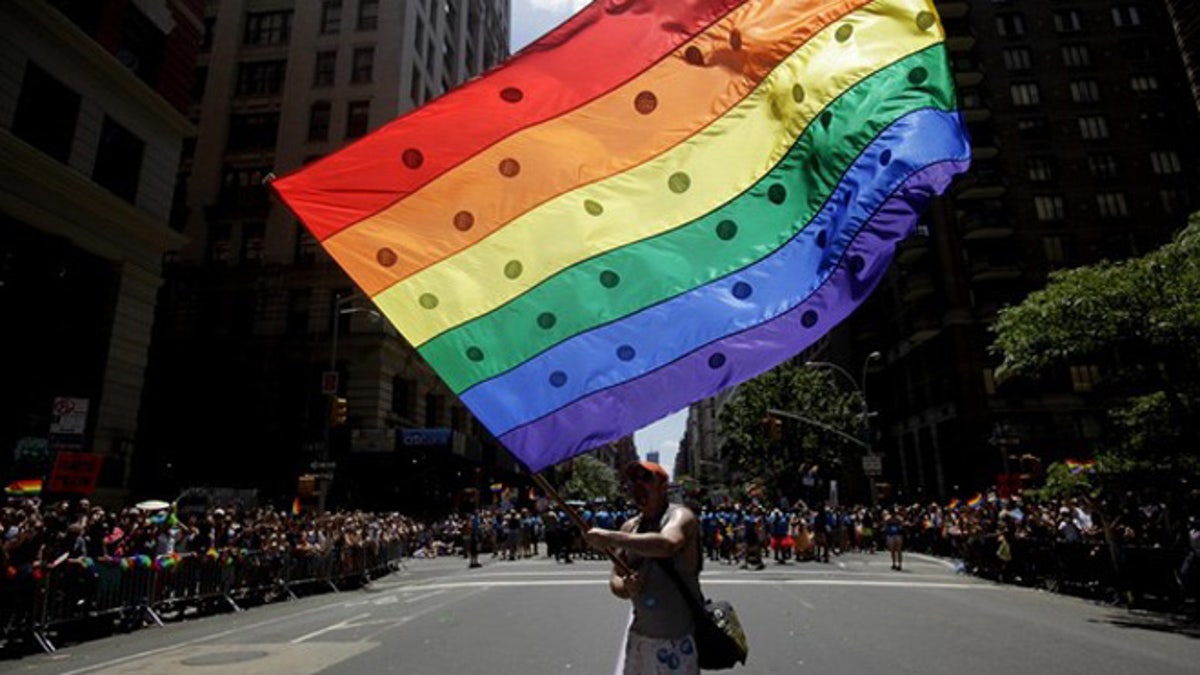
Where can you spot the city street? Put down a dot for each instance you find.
(851, 616)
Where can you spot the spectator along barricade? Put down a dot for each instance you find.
(51, 584)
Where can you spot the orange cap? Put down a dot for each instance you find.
(653, 468)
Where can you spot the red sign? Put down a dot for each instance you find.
(75, 472)
(329, 382)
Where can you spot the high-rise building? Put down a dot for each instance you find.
(1187, 31)
(93, 97)
(1084, 136)
(260, 331)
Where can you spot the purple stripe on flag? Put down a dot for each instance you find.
(613, 413)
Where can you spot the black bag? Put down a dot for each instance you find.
(720, 640)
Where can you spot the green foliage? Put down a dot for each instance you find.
(591, 478)
(1139, 321)
(1062, 483)
(777, 463)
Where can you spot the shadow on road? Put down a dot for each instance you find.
(1162, 623)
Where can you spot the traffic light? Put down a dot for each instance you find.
(337, 411)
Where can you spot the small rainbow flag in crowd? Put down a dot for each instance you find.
(953, 503)
(28, 487)
(975, 501)
(296, 506)
(1076, 466)
(652, 203)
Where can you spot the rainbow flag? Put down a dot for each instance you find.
(652, 203)
(28, 487)
(1076, 466)
(975, 501)
(953, 504)
(296, 506)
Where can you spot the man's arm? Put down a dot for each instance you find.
(623, 586)
(673, 537)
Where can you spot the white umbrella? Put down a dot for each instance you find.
(153, 505)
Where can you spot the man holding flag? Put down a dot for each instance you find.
(661, 535)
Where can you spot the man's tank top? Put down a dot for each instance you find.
(660, 611)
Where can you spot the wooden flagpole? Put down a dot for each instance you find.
(578, 520)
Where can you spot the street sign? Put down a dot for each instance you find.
(329, 382)
(872, 465)
(75, 472)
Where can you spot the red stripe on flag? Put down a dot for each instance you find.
(610, 42)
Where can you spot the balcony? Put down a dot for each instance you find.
(985, 225)
(912, 249)
(916, 286)
(980, 184)
(954, 9)
(994, 270)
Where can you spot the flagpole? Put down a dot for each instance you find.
(578, 520)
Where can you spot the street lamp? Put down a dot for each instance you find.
(860, 387)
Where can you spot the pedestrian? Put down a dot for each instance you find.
(662, 536)
(893, 531)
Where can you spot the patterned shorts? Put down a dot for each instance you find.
(658, 656)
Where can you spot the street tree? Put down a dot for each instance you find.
(777, 453)
(591, 479)
(1138, 321)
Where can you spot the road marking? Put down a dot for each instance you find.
(346, 623)
(927, 558)
(425, 596)
(866, 583)
(422, 612)
(206, 638)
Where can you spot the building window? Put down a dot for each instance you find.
(307, 246)
(1085, 91)
(1068, 21)
(358, 118)
(1175, 200)
(1076, 56)
(1055, 249)
(989, 381)
(1034, 128)
(1050, 208)
(404, 396)
(206, 38)
(331, 16)
(1041, 169)
(1112, 205)
(1093, 128)
(433, 410)
(1017, 59)
(242, 190)
(299, 307)
(1165, 163)
(118, 160)
(414, 90)
(199, 82)
(1143, 84)
(47, 111)
(1084, 378)
(368, 14)
(253, 131)
(326, 64)
(1025, 94)
(458, 418)
(218, 243)
(1103, 166)
(1126, 16)
(1010, 25)
(267, 28)
(253, 236)
(260, 78)
(318, 121)
(363, 64)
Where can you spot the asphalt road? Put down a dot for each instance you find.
(851, 616)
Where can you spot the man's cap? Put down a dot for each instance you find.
(652, 467)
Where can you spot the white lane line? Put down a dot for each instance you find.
(422, 612)
(927, 558)
(424, 596)
(337, 626)
(202, 640)
(866, 583)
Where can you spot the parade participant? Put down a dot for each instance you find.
(893, 531)
(659, 637)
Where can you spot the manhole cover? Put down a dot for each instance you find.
(223, 659)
